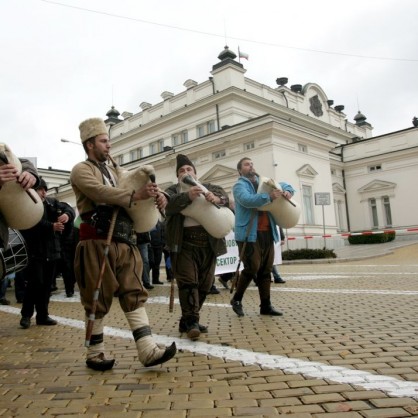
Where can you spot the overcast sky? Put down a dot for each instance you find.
(68, 60)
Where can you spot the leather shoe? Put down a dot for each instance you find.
(47, 321)
(157, 282)
(237, 307)
(148, 286)
(99, 363)
(224, 282)
(214, 291)
(25, 322)
(168, 354)
(183, 328)
(279, 280)
(269, 310)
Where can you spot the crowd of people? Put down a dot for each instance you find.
(104, 257)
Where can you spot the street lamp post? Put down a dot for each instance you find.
(71, 142)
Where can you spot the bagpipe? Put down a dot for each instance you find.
(21, 209)
(143, 213)
(286, 212)
(217, 220)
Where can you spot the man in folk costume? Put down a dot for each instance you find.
(94, 184)
(193, 250)
(255, 232)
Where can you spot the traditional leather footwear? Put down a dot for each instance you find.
(193, 331)
(202, 328)
(269, 310)
(47, 321)
(279, 280)
(99, 363)
(169, 353)
(237, 307)
(25, 322)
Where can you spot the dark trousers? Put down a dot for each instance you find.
(20, 286)
(67, 269)
(155, 255)
(258, 261)
(39, 275)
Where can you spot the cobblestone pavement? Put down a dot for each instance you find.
(347, 346)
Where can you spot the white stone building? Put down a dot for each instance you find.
(292, 134)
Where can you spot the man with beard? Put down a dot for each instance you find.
(256, 232)
(193, 250)
(95, 186)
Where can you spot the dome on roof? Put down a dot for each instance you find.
(359, 118)
(113, 113)
(227, 53)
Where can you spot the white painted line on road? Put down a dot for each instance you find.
(369, 381)
(349, 291)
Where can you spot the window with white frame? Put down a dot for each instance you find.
(157, 146)
(308, 204)
(179, 138)
(386, 210)
(377, 167)
(373, 213)
(119, 159)
(211, 126)
(136, 154)
(249, 146)
(219, 154)
(205, 128)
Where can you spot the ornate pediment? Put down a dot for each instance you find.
(337, 188)
(307, 171)
(377, 185)
(218, 172)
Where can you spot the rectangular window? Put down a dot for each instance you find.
(376, 167)
(135, 154)
(248, 146)
(387, 211)
(308, 204)
(373, 210)
(179, 138)
(119, 159)
(200, 131)
(156, 147)
(211, 126)
(218, 154)
(205, 128)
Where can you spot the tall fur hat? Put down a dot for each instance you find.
(91, 128)
(183, 160)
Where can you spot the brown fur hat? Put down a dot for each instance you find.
(91, 128)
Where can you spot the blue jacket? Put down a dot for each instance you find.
(248, 200)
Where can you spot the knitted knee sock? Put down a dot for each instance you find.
(148, 350)
(96, 341)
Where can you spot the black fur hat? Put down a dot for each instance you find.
(42, 185)
(183, 160)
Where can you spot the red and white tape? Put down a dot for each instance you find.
(352, 234)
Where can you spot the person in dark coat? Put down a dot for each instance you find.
(43, 244)
(193, 250)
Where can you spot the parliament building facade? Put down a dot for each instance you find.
(345, 179)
